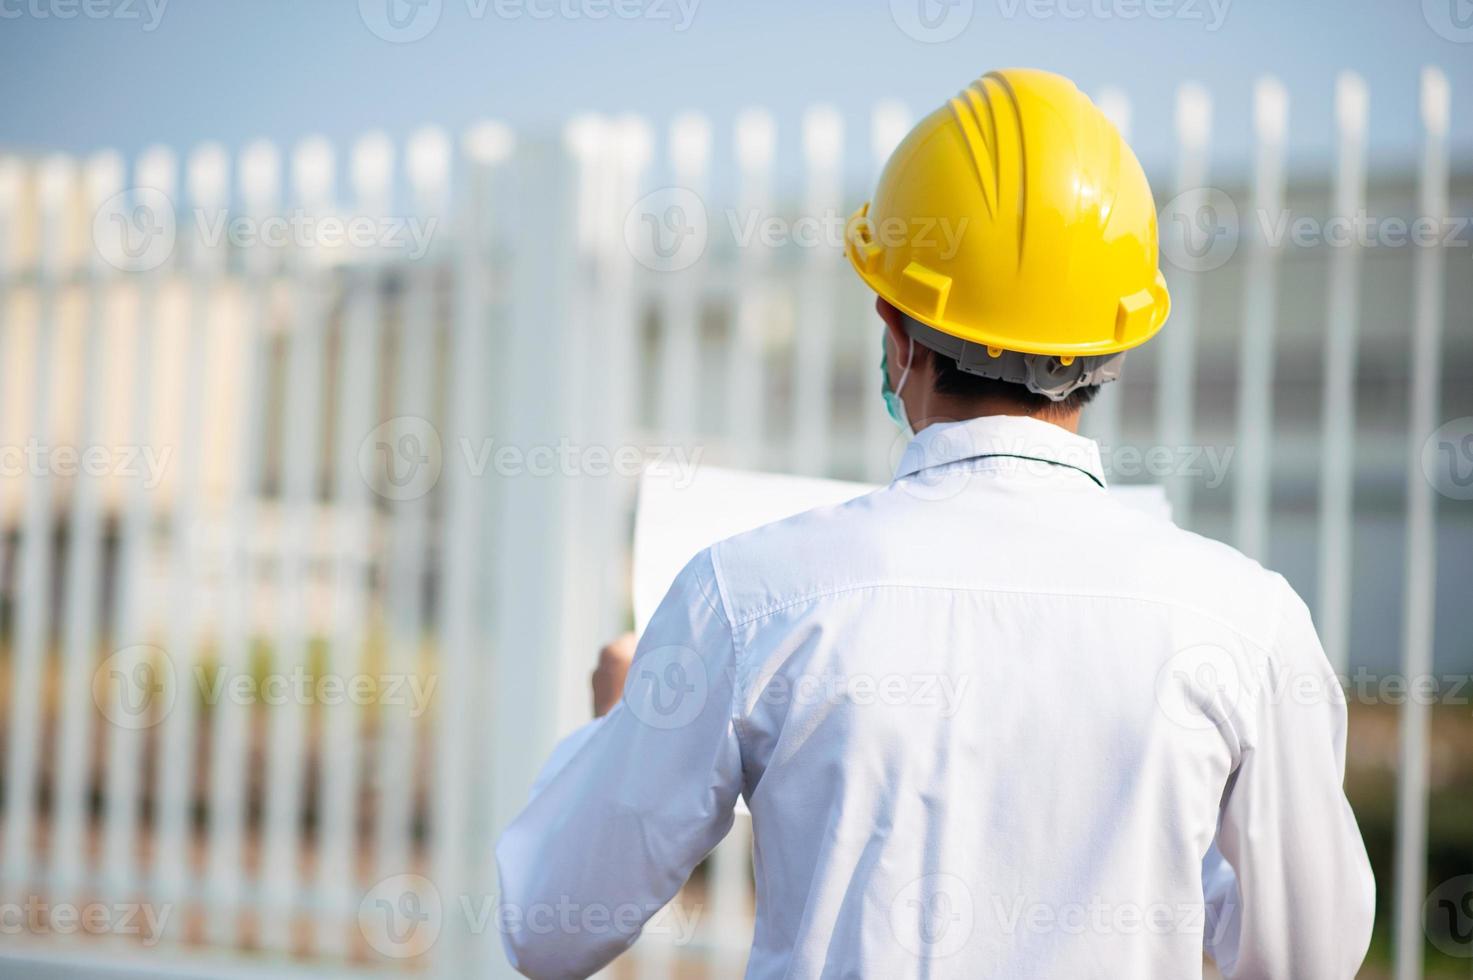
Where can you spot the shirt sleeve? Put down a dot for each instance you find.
(1288, 885)
(640, 797)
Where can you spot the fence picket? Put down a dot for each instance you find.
(1101, 421)
(1337, 476)
(103, 181)
(427, 163)
(813, 353)
(746, 378)
(1175, 395)
(682, 291)
(1252, 491)
(889, 122)
(29, 655)
(1420, 591)
(353, 503)
(156, 174)
(260, 168)
(312, 164)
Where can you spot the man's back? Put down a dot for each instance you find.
(989, 722)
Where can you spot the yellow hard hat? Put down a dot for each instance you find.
(1015, 217)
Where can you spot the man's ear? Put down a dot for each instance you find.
(894, 325)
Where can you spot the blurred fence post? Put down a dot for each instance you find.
(206, 189)
(1177, 369)
(154, 181)
(1252, 491)
(1337, 462)
(56, 188)
(813, 339)
(1101, 420)
(260, 179)
(313, 165)
(1420, 594)
(889, 122)
(681, 293)
(527, 585)
(352, 500)
(485, 150)
(413, 446)
(103, 181)
(746, 356)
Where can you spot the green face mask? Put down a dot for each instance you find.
(893, 404)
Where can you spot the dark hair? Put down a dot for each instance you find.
(952, 380)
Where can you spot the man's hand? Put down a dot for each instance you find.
(608, 678)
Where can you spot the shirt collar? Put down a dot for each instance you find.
(1007, 436)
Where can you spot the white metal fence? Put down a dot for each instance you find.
(317, 503)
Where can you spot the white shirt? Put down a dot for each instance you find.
(989, 721)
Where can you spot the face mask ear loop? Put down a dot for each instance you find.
(910, 358)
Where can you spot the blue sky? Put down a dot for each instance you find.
(183, 71)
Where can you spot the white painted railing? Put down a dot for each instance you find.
(339, 500)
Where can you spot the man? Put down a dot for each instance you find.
(989, 721)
